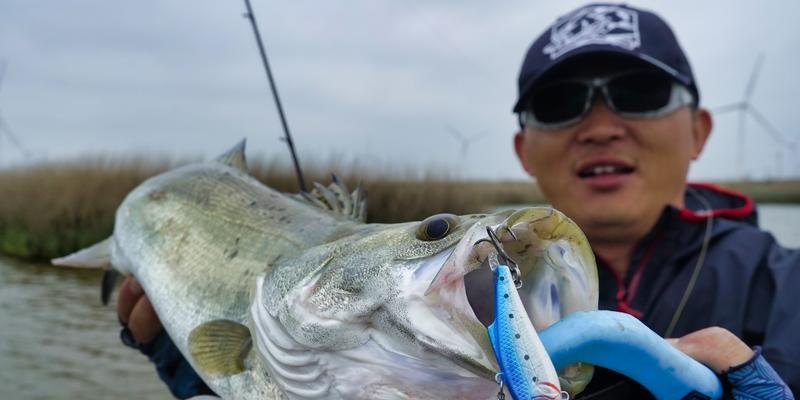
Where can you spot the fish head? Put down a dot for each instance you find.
(391, 300)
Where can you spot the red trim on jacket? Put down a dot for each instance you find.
(624, 294)
(734, 213)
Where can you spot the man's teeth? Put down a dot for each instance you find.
(604, 169)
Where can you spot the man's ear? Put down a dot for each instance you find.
(701, 129)
(522, 155)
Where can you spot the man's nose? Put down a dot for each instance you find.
(601, 125)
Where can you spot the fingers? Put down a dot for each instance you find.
(144, 323)
(135, 310)
(129, 294)
(715, 347)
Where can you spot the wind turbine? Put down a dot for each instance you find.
(744, 108)
(464, 141)
(5, 130)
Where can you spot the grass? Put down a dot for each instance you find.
(768, 191)
(53, 209)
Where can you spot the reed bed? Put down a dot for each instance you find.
(52, 209)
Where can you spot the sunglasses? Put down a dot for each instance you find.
(635, 94)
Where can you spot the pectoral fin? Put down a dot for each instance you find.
(219, 347)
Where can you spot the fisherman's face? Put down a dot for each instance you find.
(613, 175)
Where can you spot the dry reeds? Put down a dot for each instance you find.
(52, 209)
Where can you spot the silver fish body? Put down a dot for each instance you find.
(271, 296)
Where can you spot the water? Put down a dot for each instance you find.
(58, 342)
(783, 220)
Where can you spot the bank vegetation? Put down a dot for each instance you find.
(52, 209)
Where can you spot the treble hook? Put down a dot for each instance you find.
(502, 256)
(499, 379)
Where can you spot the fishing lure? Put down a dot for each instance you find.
(525, 367)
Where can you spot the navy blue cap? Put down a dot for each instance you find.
(604, 28)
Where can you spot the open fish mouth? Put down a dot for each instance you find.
(558, 275)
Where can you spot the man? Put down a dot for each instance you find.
(610, 122)
(609, 116)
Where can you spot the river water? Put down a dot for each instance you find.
(58, 342)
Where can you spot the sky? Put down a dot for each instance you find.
(389, 84)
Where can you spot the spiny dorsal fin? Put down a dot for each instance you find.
(335, 198)
(235, 157)
(219, 347)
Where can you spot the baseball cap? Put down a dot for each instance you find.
(605, 28)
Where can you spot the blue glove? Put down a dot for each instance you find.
(181, 379)
(756, 380)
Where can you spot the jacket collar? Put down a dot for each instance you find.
(724, 203)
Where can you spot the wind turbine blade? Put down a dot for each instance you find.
(739, 105)
(455, 133)
(751, 83)
(740, 146)
(477, 136)
(768, 126)
(13, 138)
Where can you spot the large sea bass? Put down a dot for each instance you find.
(271, 296)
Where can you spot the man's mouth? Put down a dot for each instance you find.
(605, 174)
(602, 169)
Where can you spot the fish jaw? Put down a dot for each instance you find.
(559, 277)
(552, 252)
(559, 274)
(443, 320)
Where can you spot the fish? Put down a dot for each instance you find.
(271, 295)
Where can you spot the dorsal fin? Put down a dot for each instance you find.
(335, 198)
(235, 157)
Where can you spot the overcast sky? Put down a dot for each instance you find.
(387, 83)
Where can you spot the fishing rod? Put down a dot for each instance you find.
(287, 136)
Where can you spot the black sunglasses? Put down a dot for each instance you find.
(633, 94)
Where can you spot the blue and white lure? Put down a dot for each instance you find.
(526, 369)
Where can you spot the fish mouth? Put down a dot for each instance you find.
(557, 271)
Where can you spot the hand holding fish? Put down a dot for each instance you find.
(136, 312)
(748, 373)
(716, 347)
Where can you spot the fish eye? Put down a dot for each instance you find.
(437, 226)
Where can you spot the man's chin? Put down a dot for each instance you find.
(601, 221)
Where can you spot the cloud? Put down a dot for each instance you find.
(375, 80)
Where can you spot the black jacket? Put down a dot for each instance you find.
(747, 283)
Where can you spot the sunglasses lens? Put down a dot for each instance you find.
(640, 92)
(559, 102)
